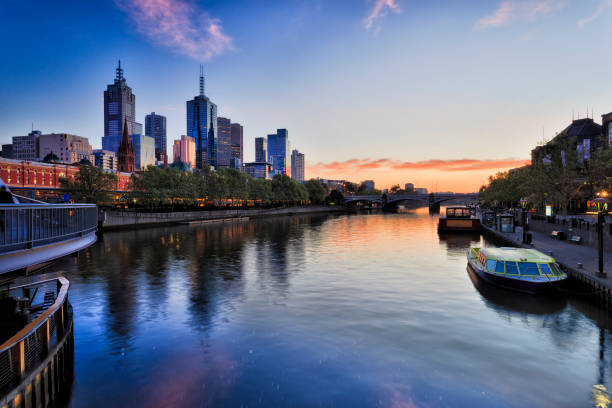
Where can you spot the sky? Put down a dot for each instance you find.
(440, 94)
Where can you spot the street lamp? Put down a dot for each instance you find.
(523, 217)
(601, 204)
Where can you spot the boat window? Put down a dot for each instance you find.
(491, 265)
(545, 269)
(528, 269)
(450, 212)
(499, 268)
(511, 268)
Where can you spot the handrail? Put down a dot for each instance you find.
(46, 205)
(36, 323)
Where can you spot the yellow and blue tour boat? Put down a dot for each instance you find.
(459, 218)
(519, 269)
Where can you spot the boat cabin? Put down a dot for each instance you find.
(517, 262)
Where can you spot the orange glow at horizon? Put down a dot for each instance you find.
(460, 176)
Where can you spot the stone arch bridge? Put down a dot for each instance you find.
(390, 201)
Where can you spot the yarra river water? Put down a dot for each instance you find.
(344, 311)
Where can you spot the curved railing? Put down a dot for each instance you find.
(24, 226)
(35, 362)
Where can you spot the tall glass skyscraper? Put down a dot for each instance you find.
(119, 107)
(224, 142)
(278, 152)
(155, 127)
(261, 149)
(202, 126)
(297, 166)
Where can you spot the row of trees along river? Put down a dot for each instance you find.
(175, 188)
(559, 179)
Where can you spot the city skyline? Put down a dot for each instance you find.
(470, 99)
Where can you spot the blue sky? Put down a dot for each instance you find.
(367, 88)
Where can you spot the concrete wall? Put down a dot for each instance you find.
(126, 219)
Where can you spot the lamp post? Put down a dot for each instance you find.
(601, 204)
(523, 217)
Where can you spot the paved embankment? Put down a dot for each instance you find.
(127, 219)
(568, 255)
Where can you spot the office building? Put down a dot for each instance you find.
(119, 108)
(155, 127)
(237, 142)
(26, 147)
(224, 142)
(7, 151)
(278, 152)
(420, 190)
(68, 148)
(184, 150)
(261, 149)
(105, 159)
(409, 188)
(144, 151)
(202, 126)
(297, 166)
(258, 170)
(125, 152)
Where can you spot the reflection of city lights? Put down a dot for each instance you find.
(600, 396)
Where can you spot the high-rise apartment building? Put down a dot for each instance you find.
(237, 140)
(297, 166)
(224, 142)
(155, 127)
(119, 108)
(278, 152)
(68, 148)
(105, 159)
(202, 126)
(26, 147)
(261, 149)
(184, 150)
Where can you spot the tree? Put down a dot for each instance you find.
(316, 191)
(335, 198)
(90, 184)
(395, 189)
(50, 158)
(286, 189)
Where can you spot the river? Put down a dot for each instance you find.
(345, 311)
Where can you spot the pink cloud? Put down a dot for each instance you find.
(434, 164)
(526, 10)
(178, 25)
(379, 10)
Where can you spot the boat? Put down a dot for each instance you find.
(458, 219)
(519, 269)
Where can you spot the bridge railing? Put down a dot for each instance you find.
(24, 226)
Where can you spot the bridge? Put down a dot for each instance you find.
(389, 201)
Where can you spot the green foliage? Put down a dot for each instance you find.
(90, 184)
(335, 198)
(316, 191)
(50, 158)
(284, 188)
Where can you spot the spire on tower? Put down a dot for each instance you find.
(119, 72)
(201, 80)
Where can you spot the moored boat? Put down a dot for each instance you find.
(519, 269)
(458, 219)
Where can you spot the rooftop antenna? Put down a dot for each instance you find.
(201, 80)
(119, 72)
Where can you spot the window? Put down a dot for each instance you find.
(499, 268)
(545, 269)
(528, 269)
(511, 268)
(556, 270)
(491, 265)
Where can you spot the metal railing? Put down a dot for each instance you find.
(24, 226)
(23, 354)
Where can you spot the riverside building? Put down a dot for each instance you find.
(155, 127)
(297, 166)
(278, 152)
(202, 126)
(119, 108)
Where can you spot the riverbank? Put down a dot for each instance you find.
(580, 262)
(118, 220)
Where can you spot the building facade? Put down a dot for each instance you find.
(297, 166)
(224, 142)
(144, 151)
(184, 151)
(261, 149)
(258, 170)
(155, 127)
(279, 149)
(125, 153)
(237, 143)
(368, 185)
(7, 151)
(119, 108)
(105, 159)
(68, 148)
(26, 147)
(409, 188)
(202, 126)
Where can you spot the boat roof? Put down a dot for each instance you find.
(516, 255)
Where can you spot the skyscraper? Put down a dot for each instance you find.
(202, 126)
(26, 147)
(297, 166)
(224, 144)
(278, 152)
(125, 153)
(184, 150)
(155, 127)
(119, 108)
(261, 149)
(237, 131)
